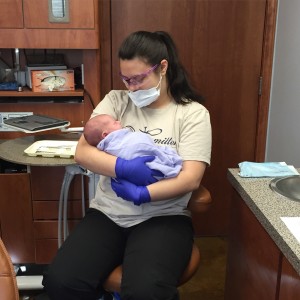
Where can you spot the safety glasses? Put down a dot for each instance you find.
(137, 79)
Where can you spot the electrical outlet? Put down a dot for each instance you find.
(9, 115)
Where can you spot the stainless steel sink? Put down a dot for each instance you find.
(288, 187)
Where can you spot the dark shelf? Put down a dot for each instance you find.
(28, 93)
(50, 99)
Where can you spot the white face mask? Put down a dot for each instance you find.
(143, 98)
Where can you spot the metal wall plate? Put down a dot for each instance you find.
(58, 11)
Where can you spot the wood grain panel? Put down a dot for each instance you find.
(11, 14)
(48, 229)
(49, 39)
(45, 250)
(266, 75)
(290, 282)
(253, 257)
(48, 210)
(106, 51)
(91, 59)
(16, 217)
(46, 183)
(81, 16)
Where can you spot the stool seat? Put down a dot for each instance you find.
(113, 281)
(199, 202)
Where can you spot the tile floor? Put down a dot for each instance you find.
(209, 281)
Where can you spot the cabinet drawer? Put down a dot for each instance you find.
(48, 229)
(81, 15)
(46, 183)
(45, 250)
(48, 210)
(46, 242)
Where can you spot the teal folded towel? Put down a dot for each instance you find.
(266, 169)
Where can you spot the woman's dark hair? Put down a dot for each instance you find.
(153, 47)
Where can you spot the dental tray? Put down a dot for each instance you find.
(48, 148)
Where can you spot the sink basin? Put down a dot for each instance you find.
(288, 187)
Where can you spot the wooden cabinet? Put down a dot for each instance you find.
(74, 106)
(31, 197)
(81, 15)
(289, 282)
(11, 14)
(253, 257)
(45, 188)
(29, 209)
(256, 268)
(28, 23)
(29, 212)
(16, 227)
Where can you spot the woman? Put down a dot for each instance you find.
(147, 228)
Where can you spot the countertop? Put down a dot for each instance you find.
(13, 150)
(268, 207)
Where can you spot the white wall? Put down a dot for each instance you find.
(283, 140)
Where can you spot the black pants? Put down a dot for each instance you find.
(154, 254)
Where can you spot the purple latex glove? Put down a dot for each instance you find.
(130, 192)
(136, 171)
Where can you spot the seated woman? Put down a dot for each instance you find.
(139, 222)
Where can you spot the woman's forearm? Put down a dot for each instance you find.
(94, 160)
(187, 180)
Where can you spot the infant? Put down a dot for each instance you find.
(107, 134)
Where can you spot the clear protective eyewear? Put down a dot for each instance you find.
(137, 79)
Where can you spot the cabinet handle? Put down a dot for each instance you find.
(58, 11)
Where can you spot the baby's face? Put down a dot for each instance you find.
(111, 124)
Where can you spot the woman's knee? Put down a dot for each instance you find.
(61, 286)
(54, 286)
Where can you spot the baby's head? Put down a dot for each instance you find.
(98, 127)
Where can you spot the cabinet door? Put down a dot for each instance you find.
(11, 15)
(16, 217)
(36, 31)
(253, 257)
(289, 282)
(46, 241)
(220, 45)
(81, 15)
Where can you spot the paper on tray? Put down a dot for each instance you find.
(52, 148)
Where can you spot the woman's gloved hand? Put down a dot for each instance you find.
(130, 192)
(136, 171)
